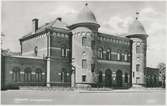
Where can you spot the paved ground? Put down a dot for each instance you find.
(82, 97)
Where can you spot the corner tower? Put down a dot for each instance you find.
(84, 32)
(139, 48)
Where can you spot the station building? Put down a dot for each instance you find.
(78, 55)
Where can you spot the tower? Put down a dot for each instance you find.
(84, 32)
(139, 48)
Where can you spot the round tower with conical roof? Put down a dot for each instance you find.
(138, 35)
(84, 32)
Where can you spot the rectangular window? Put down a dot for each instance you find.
(137, 67)
(83, 78)
(84, 64)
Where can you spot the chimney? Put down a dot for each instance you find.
(34, 25)
(59, 18)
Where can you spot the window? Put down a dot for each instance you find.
(93, 44)
(62, 76)
(36, 50)
(84, 64)
(92, 67)
(118, 56)
(100, 53)
(137, 67)
(126, 57)
(27, 75)
(63, 52)
(108, 54)
(38, 75)
(67, 52)
(126, 77)
(133, 74)
(83, 41)
(83, 78)
(16, 74)
(138, 47)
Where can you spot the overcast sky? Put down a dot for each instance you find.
(114, 17)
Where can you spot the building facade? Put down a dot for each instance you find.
(79, 55)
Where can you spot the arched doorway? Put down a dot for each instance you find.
(119, 78)
(108, 78)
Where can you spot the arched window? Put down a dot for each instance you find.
(137, 67)
(84, 41)
(108, 54)
(126, 56)
(138, 47)
(119, 55)
(126, 77)
(84, 63)
(27, 75)
(100, 53)
(16, 74)
(129, 57)
(63, 51)
(36, 50)
(38, 75)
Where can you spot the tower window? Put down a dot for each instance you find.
(84, 64)
(36, 50)
(83, 41)
(83, 78)
(92, 67)
(133, 74)
(138, 47)
(137, 67)
(93, 44)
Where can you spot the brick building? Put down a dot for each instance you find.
(79, 55)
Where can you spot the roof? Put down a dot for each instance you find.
(86, 15)
(136, 28)
(113, 36)
(57, 24)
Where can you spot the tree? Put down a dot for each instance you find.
(162, 72)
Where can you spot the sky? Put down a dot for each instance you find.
(113, 17)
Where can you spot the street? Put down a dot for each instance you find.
(79, 97)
